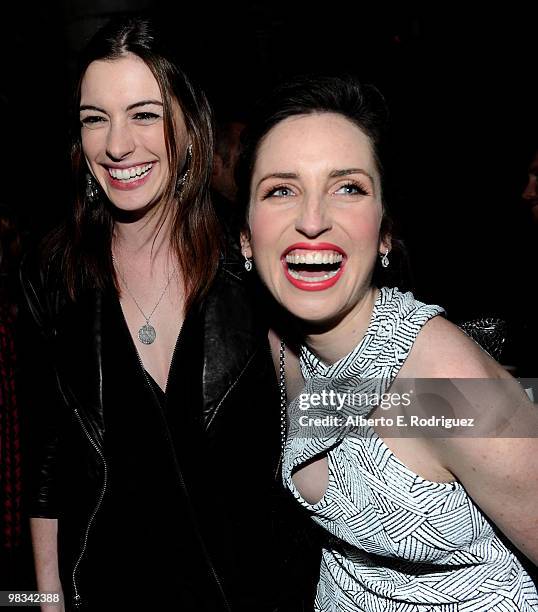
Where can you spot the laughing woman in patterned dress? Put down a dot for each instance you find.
(412, 524)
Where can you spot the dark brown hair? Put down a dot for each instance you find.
(363, 105)
(83, 244)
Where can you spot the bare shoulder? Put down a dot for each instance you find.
(496, 457)
(443, 350)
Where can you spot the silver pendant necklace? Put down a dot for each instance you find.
(147, 333)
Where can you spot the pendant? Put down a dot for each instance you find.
(147, 334)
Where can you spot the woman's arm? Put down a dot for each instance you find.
(499, 469)
(40, 428)
(501, 476)
(45, 545)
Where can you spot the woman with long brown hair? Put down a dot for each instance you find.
(148, 376)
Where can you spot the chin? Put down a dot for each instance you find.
(132, 205)
(310, 313)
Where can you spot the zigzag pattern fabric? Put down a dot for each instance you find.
(395, 541)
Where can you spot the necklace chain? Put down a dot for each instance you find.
(146, 333)
(283, 394)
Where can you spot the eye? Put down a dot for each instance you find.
(280, 191)
(146, 117)
(352, 189)
(92, 121)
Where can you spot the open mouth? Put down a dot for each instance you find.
(313, 267)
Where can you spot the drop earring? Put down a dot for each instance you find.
(248, 263)
(92, 190)
(182, 180)
(385, 259)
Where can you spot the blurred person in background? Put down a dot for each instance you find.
(530, 193)
(12, 562)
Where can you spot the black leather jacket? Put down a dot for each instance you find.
(62, 394)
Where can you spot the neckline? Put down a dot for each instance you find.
(161, 393)
(134, 348)
(312, 363)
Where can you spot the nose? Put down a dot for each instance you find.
(120, 143)
(313, 218)
(531, 190)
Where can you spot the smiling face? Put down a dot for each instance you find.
(315, 214)
(122, 131)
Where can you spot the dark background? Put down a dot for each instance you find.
(460, 82)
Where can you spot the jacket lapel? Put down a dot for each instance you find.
(230, 341)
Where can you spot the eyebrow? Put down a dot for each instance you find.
(143, 103)
(333, 174)
(280, 175)
(347, 171)
(130, 107)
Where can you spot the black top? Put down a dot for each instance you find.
(242, 510)
(150, 555)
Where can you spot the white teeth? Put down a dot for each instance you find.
(314, 257)
(322, 257)
(126, 174)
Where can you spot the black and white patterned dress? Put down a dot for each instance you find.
(396, 542)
